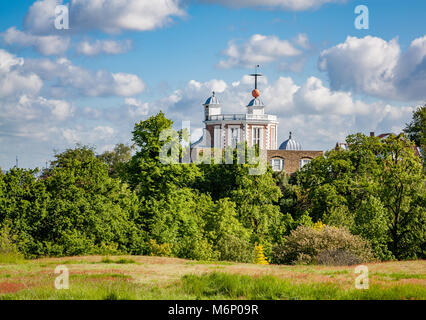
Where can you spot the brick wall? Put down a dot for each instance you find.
(292, 158)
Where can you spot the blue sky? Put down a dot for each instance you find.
(123, 61)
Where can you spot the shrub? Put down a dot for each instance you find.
(233, 248)
(330, 245)
(159, 250)
(8, 249)
(259, 254)
(338, 258)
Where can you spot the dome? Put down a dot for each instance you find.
(290, 144)
(212, 100)
(256, 102)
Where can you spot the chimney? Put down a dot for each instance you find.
(372, 134)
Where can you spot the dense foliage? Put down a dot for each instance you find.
(371, 199)
(327, 245)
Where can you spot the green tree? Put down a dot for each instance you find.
(176, 219)
(116, 159)
(375, 188)
(255, 196)
(145, 172)
(76, 209)
(416, 129)
(403, 190)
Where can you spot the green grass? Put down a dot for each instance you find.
(139, 277)
(11, 258)
(119, 261)
(232, 286)
(399, 276)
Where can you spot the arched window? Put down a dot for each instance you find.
(303, 162)
(277, 164)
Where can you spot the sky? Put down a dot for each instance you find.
(120, 61)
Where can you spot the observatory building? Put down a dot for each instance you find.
(253, 126)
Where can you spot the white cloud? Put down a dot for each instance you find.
(103, 46)
(46, 45)
(292, 5)
(69, 78)
(13, 79)
(136, 107)
(316, 98)
(377, 67)
(111, 16)
(302, 40)
(258, 49)
(318, 116)
(32, 123)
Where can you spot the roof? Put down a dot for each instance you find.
(290, 144)
(256, 102)
(212, 100)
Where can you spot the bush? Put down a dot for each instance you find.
(8, 249)
(338, 258)
(259, 254)
(159, 250)
(330, 245)
(233, 248)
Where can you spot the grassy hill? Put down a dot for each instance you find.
(142, 277)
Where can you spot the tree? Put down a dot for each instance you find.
(117, 159)
(255, 196)
(403, 194)
(416, 129)
(76, 209)
(145, 172)
(376, 184)
(176, 219)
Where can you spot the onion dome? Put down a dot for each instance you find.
(212, 100)
(256, 102)
(290, 144)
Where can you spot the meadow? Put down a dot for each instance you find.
(152, 278)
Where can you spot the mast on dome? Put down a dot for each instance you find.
(255, 93)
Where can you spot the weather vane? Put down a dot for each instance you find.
(255, 93)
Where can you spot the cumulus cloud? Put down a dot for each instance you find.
(291, 5)
(31, 122)
(377, 67)
(81, 134)
(110, 16)
(318, 116)
(258, 49)
(103, 46)
(13, 79)
(69, 78)
(46, 45)
(136, 107)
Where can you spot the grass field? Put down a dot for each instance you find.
(141, 277)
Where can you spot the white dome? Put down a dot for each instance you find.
(290, 144)
(212, 100)
(256, 102)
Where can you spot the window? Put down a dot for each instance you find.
(234, 136)
(277, 164)
(303, 162)
(257, 136)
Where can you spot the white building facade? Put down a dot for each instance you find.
(223, 130)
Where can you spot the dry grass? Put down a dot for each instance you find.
(158, 272)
